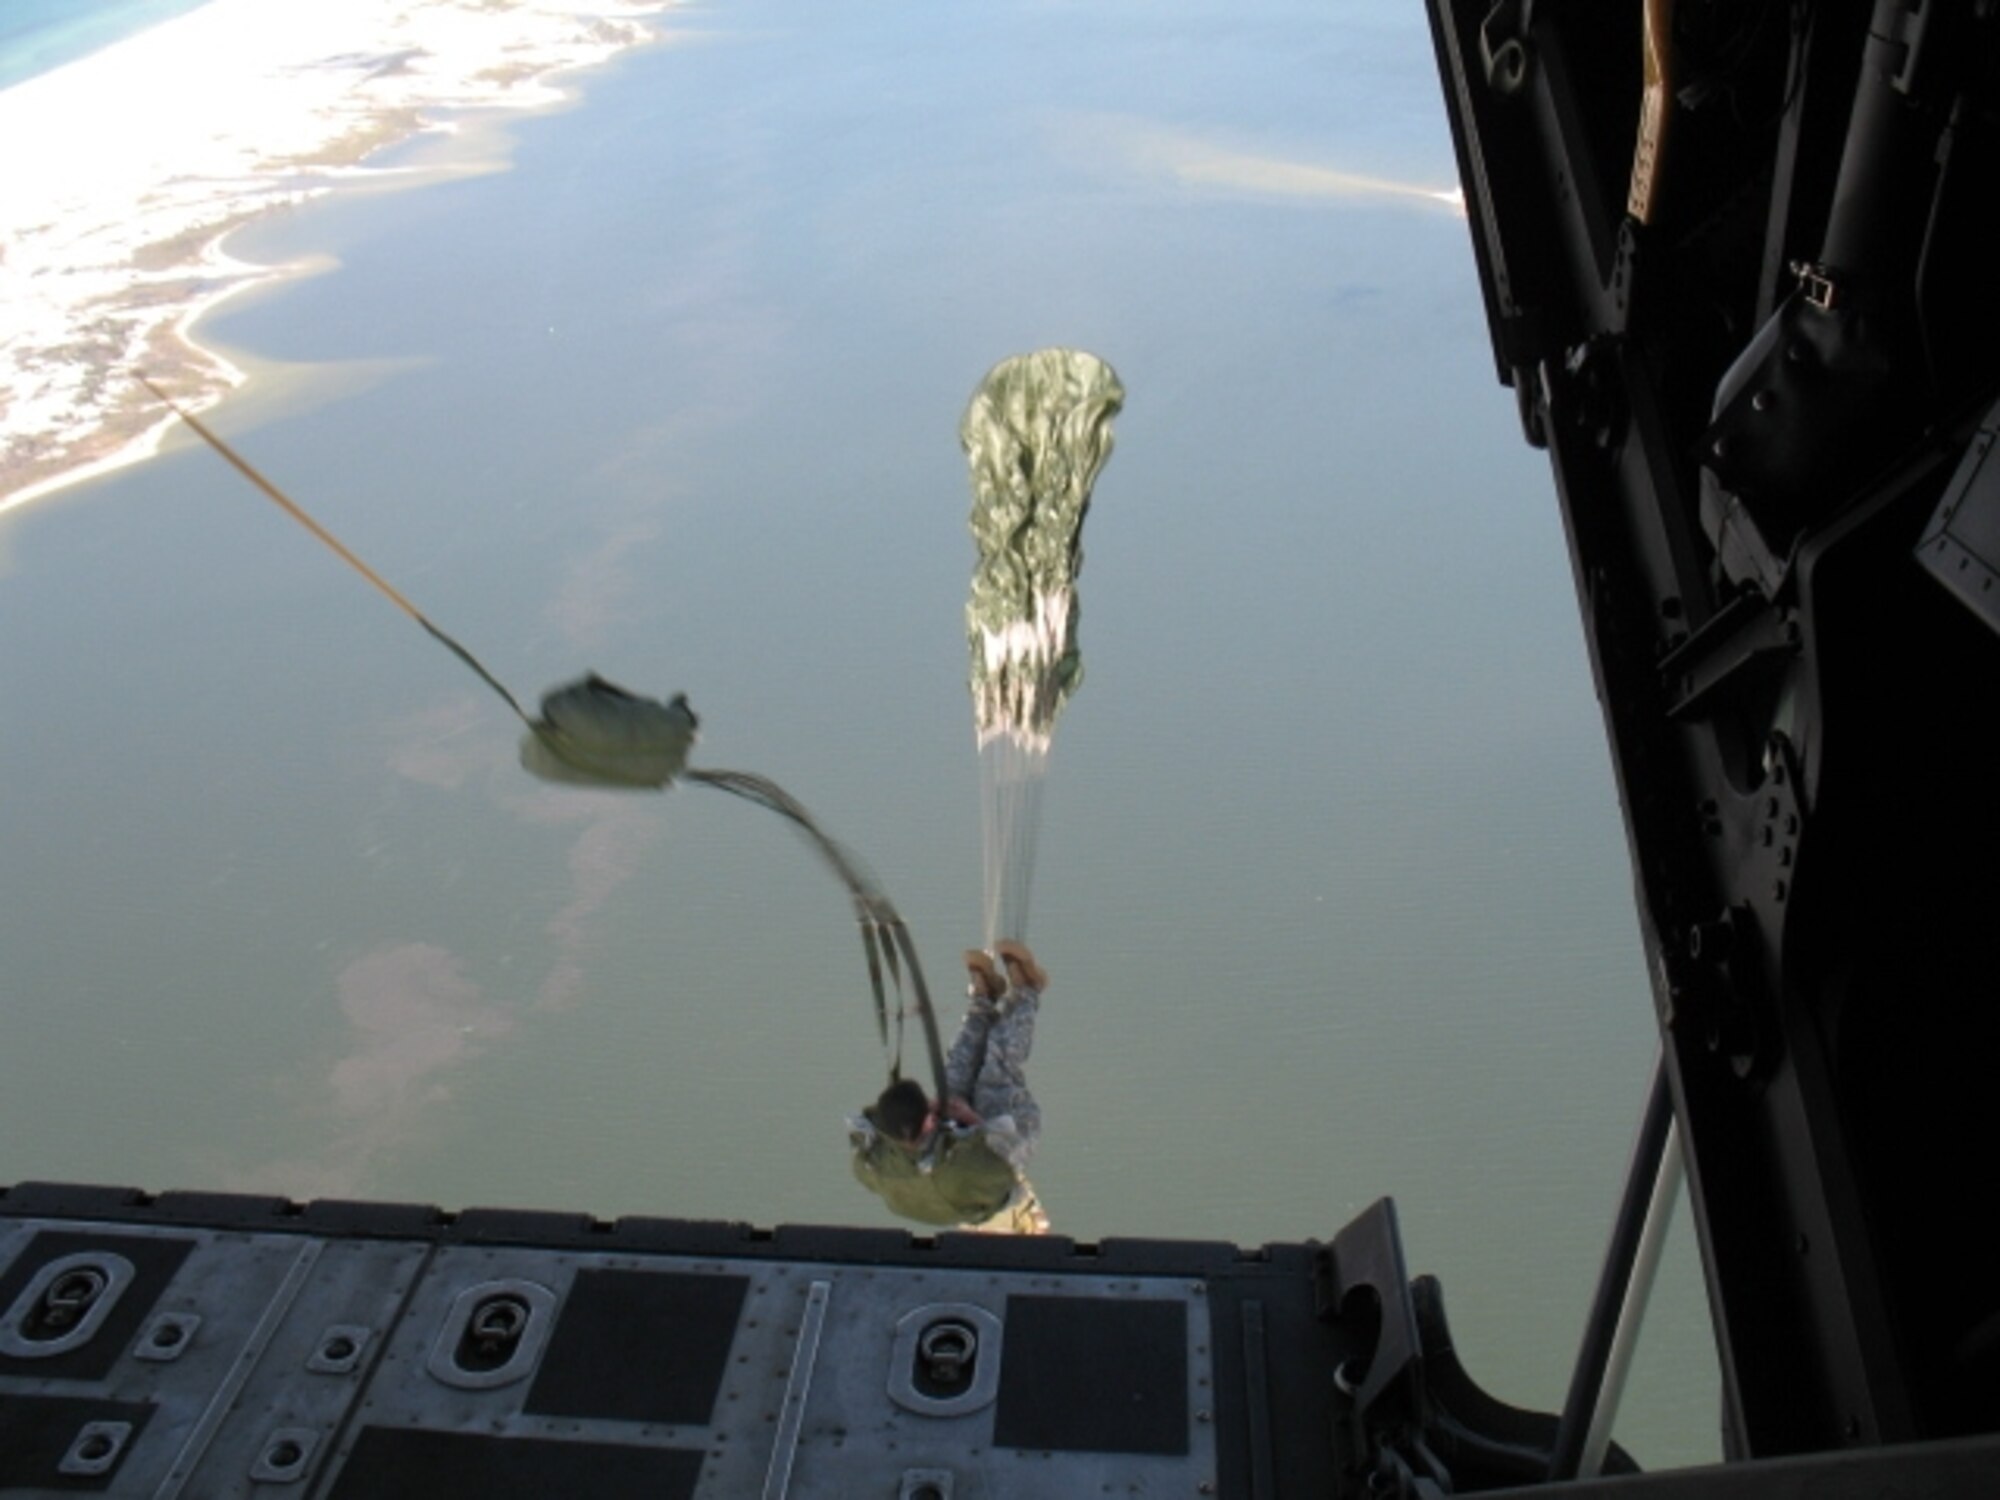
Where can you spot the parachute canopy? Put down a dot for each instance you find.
(1036, 434)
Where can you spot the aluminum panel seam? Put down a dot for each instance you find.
(785, 1448)
(239, 1371)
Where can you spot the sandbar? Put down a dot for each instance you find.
(127, 170)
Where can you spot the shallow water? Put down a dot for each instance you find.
(1331, 882)
(39, 35)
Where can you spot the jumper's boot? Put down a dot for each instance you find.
(1021, 966)
(984, 980)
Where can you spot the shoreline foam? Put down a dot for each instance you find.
(113, 240)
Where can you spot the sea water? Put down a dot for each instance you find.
(38, 35)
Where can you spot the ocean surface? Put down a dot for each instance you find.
(1332, 885)
(38, 35)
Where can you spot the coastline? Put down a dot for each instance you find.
(113, 245)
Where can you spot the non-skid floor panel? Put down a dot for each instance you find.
(410, 1464)
(639, 1346)
(1094, 1375)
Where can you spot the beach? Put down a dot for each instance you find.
(145, 156)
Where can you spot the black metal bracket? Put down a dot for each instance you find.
(1418, 1424)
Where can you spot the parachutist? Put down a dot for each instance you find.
(961, 1160)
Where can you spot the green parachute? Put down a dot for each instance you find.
(1036, 434)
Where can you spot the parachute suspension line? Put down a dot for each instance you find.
(885, 939)
(334, 544)
(1036, 434)
(1011, 777)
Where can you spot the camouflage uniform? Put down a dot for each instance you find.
(985, 1068)
(969, 1176)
